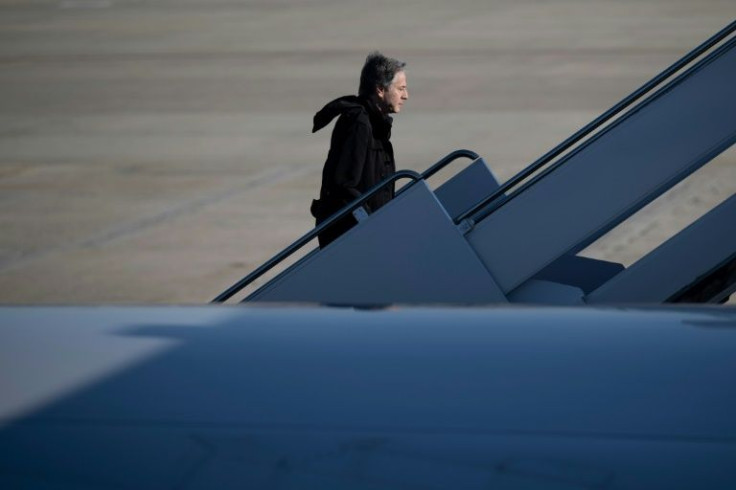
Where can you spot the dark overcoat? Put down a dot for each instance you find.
(360, 156)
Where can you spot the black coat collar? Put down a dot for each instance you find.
(381, 123)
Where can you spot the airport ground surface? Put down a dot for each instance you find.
(156, 152)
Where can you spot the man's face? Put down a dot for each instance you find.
(395, 95)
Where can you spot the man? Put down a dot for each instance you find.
(361, 154)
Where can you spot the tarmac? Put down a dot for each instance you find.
(157, 152)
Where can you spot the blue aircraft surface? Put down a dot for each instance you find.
(398, 398)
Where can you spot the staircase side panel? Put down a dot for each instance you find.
(409, 251)
(677, 263)
(601, 184)
(467, 188)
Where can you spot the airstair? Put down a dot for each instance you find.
(473, 241)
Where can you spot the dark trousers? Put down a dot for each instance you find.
(334, 231)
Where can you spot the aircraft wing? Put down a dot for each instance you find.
(306, 397)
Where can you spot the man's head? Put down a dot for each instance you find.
(384, 80)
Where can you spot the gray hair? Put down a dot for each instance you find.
(378, 71)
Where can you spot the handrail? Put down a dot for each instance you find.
(447, 159)
(590, 127)
(462, 153)
(238, 286)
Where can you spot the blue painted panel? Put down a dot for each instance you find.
(467, 188)
(582, 272)
(409, 251)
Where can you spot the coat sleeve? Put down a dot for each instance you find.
(351, 161)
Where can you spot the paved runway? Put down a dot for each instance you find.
(156, 152)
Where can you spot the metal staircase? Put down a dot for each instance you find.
(473, 241)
